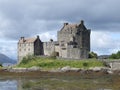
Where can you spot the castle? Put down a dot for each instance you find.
(73, 42)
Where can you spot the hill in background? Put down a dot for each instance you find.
(6, 59)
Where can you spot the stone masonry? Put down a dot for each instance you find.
(73, 43)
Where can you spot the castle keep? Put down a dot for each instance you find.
(73, 42)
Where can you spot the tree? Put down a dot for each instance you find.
(118, 55)
(0, 65)
(115, 55)
(93, 55)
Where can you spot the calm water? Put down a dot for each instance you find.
(8, 85)
(62, 83)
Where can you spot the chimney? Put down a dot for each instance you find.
(37, 36)
(51, 40)
(82, 22)
(65, 24)
(23, 39)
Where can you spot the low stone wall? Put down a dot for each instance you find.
(114, 65)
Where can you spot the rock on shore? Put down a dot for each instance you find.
(63, 69)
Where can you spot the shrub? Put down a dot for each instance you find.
(85, 64)
(93, 55)
(115, 55)
(27, 59)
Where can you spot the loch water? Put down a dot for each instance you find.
(107, 82)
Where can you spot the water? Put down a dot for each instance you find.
(61, 83)
(8, 85)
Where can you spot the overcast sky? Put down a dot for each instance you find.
(45, 17)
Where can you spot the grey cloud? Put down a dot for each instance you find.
(30, 17)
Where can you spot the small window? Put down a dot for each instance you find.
(24, 49)
(62, 45)
(29, 49)
(19, 49)
(63, 48)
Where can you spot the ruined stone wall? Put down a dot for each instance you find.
(63, 53)
(73, 53)
(64, 36)
(49, 48)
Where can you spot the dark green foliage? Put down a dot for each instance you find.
(28, 59)
(85, 64)
(93, 55)
(115, 55)
(0, 65)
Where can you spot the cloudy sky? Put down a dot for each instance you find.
(45, 17)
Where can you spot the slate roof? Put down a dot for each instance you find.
(71, 26)
(27, 40)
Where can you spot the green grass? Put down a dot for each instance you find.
(0, 67)
(52, 63)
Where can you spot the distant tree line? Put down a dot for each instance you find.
(115, 55)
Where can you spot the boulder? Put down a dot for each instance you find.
(109, 71)
(75, 69)
(17, 70)
(66, 68)
(95, 69)
(34, 68)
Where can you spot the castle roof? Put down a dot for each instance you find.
(71, 26)
(27, 40)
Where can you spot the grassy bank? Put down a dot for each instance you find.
(52, 63)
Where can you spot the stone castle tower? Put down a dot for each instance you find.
(73, 43)
(75, 39)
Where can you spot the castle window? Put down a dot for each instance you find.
(62, 45)
(63, 48)
(29, 49)
(19, 49)
(24, 49)
(74, 46)
(28, 44)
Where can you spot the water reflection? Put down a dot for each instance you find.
(8, 85)
(62, 83)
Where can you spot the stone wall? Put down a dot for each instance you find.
(25, 49)
(49, 48)
(73, 53)
(38, 47)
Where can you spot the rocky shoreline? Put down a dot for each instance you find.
(104, 70)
